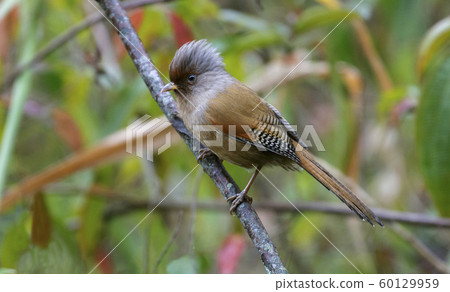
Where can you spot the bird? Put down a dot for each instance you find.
(234, 123)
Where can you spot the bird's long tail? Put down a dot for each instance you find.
(309, 164)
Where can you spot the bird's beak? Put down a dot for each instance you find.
(168, 87)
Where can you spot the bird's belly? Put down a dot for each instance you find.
(235, 152)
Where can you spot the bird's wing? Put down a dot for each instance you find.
(291, 132)
(251, 120)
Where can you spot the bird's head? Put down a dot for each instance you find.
(196, 68)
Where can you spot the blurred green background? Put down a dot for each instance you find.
(376, 90)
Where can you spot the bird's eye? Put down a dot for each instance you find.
(192, 78)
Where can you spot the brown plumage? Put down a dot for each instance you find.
(238, 126)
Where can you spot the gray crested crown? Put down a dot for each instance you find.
(195, 57)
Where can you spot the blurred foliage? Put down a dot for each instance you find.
(433, 119)
(89, 89)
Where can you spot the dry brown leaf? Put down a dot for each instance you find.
(41, 228)
(286, 69)
(112, 147)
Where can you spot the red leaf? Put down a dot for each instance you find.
(230, 253)
(67, 129)
(7, 27)
(106, 265)
(136, 18)
(183, 33)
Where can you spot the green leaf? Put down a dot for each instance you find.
(21, 89)
(433, 128)
(193, 10)
(302, 234)
(91, 225)
(437, 37)
(15, 242)
(125, 98)
(183, 265)
(244, 20)
(389, 99)
(257, 39)
(317, 16)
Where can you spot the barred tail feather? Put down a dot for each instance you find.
(308, 163)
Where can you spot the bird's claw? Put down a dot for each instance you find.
(203, 153)
(237, 200)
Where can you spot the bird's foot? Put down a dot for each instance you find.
(238, 199)
(203, 153)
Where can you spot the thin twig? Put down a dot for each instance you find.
(64, 37)
(169, 244)
(422, 249)
(211, 165)
(323, 207)
(365, 39)
(372, 55)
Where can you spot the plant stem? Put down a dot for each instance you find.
(20, 90)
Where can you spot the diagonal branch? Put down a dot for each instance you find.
(211, 165)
